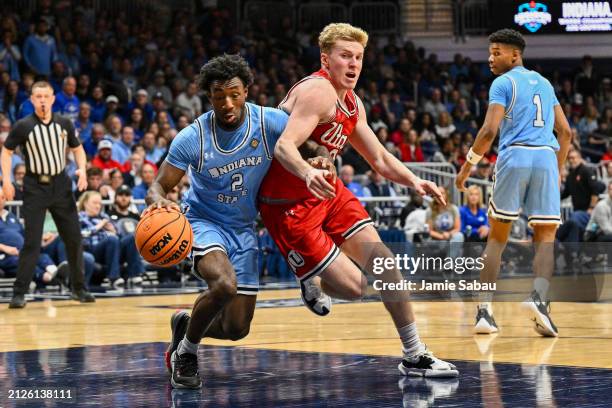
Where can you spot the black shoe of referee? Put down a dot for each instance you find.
(17, 302)
(82, 296)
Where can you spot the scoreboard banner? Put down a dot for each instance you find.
(551, 17)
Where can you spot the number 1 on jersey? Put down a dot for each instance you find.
(538, 122)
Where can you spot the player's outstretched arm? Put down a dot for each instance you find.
(564, 136)
(484, 140)
(167, 177)
(311, 106)
(382, 161)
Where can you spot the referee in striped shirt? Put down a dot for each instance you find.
(43, 137)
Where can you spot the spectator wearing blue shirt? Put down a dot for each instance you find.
(347, 173)
(25, 109)
(10, 56)
(122, 149)
(39, 50)
(101, 239)
(474, 222)
(159, 106)
(141, 100)
(98, 104)
(137, 122)
(147, 174)
(66, 102)
(91, 145)
(152, 152)
(83, 124)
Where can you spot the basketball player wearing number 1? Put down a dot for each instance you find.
(525, 110)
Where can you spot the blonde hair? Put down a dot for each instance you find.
(41, 84)
(341, 31)
(471, 189)
(436, 207)
(85, 198)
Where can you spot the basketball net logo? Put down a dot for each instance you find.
(295, 260)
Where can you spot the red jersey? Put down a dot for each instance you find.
(279, 183)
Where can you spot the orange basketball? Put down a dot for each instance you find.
(163, 237)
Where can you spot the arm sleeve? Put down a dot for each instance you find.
(275, 122)
(185, 149)
(16, 136)
(501, 91)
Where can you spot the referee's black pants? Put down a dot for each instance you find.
(57, 197)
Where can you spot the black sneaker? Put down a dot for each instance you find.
(82, 296)
(185, 371)
(426, 364)
(18, 301)
(539, 313)
(485, 323)
(178, 323)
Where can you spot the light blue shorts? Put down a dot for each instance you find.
(526, 177)
(240, 246)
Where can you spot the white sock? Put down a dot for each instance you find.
(541, 286)
(185, 346)
(411, 342)
(484, 300)
(51, 269)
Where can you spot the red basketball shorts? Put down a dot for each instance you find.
(309, 232)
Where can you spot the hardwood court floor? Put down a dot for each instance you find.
(352, 328)
(111, 354)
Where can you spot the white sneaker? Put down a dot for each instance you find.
(485, 323)
(314, 299)
(136, 280)
(425, 364)
(538, 313)
(118, 283)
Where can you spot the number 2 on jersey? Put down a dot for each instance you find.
(537, 101)
(237, 181)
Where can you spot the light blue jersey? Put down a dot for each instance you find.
(526, 171)
(227, 168)
(529, 101)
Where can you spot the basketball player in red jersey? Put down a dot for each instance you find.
(317, 223)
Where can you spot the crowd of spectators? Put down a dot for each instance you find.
(129, 84)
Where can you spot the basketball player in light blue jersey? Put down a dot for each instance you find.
(228, 152)
(523, 107)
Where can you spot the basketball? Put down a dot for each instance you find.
(163, 237)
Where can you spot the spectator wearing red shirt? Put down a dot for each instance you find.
(410, 148)
(103, 159)
(402, 132)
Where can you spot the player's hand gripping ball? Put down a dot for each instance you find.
(164, 237)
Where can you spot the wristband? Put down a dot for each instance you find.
(473, 157)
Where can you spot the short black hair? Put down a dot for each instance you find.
(510, 37)
(223, 68)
